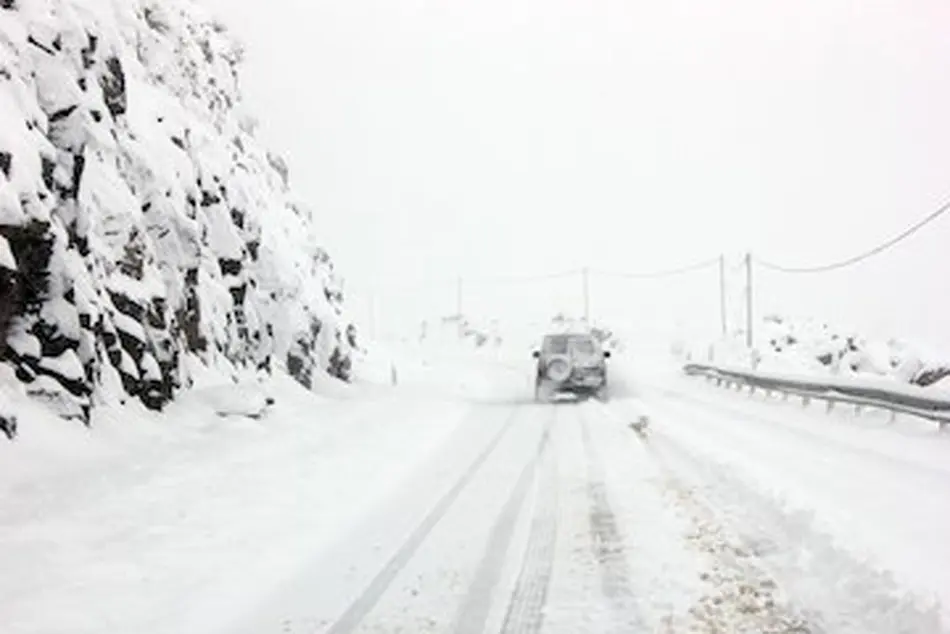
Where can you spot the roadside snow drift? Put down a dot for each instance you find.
(808, 347)
(140, 221)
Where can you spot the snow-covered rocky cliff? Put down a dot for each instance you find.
(144, 232)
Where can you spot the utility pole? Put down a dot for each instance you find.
(748, 297)
(722, 295)
(586, 295)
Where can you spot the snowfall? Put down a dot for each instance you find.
(434, 495)
(196, 440)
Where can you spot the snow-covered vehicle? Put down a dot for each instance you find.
(572, 363)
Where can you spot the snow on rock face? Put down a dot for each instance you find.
(140, 220)
(818, 348)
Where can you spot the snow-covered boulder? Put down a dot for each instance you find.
(140, 220)
(809, 347)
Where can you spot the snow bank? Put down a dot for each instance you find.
(141, 223)
(811, 348)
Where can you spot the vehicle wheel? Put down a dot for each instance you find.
(558, 368)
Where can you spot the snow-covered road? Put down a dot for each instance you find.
(454, 504)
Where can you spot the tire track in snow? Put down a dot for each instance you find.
(474, 611)
(741, 595)
(362, 606)
(525, 613)
(607, 542)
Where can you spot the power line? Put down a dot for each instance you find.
(863, 256)
(515, 279)
(452, 282)
(662, 273)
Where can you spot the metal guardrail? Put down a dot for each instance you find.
(896, 400)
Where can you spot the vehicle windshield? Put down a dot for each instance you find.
(562, 344)
(582, 345)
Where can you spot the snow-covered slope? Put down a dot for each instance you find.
(809, 346)
(144, 232)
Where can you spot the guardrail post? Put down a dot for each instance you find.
(806, 401)
(893, 418)
(830, 405)
(857, 409)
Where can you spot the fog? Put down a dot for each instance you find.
(521, 137)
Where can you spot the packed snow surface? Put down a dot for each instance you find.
(451, 502)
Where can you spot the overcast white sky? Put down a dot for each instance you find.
(522, 136)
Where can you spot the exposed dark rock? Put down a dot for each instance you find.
(48, 170)
(63, 113)
(253, 249)
(209, 198)
(54, 343)
(112, 83)
(32, 246)
(238, 293)
(79, 166)
(9, 300)
(340, 365)
(133, 262)
(930, 376)
(153, 395)
(155, 19)
(156, 317)
(230, 267)
(127, 306)
(189, 316)
(89, 51)
(8, 424)
(34, 42)
(77, 386)
(25, 373)
(132, 344)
